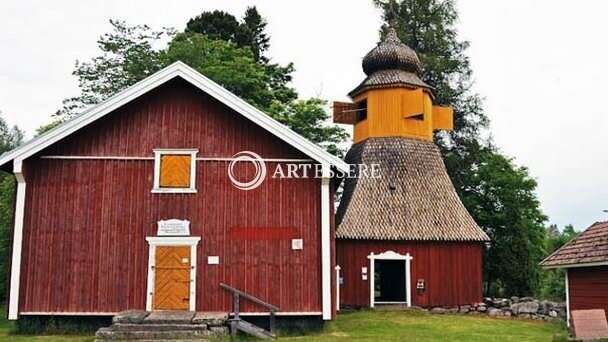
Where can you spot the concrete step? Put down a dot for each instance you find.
(158, 327)
(254, 330)
(168, 335)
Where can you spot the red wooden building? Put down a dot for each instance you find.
(404, 237)
(585, 261)
(130, 206)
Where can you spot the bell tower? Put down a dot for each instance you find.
(392, 101)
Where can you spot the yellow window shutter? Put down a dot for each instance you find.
(175, 171)
(443, 118)
(413, 103)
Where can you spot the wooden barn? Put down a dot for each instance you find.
(405, 237)
(585, 262)
(130, 206)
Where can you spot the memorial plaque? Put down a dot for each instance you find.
(590, 324)
(173, 228)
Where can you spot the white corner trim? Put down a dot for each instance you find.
(325, 243)
(567, 298)
(177, 69)
(390, 255)
(158, 153)
(13, 309)
(155, 241)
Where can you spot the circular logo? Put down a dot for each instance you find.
(260, 170)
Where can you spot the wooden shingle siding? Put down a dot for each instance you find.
(84, 247)
(175, 171)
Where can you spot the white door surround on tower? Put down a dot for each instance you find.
(389, 255)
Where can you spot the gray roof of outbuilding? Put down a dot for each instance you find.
(588, 248)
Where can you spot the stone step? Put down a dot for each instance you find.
(157, 327)
(108, 334)
(169, 317)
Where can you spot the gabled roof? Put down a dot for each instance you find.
(414, 198)
(589, 248)
(177, 69)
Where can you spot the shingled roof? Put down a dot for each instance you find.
(414, 198)
(588, 248)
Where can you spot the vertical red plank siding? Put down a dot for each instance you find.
(452, 271)
(588, 288)
(86, 221)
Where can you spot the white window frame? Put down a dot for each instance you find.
(155, 241)
(390, 255)
(158, 153)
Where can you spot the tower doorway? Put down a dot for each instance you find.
(390, 281)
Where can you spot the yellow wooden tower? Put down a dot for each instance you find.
(392, 101)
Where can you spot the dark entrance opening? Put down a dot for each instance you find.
(389, 282)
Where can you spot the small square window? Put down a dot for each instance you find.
(174, 171)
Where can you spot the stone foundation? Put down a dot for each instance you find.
(526, 307)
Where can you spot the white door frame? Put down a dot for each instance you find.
(389, 255)
(155, 241)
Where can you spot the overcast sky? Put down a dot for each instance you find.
(541, 66)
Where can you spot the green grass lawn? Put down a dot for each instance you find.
(422, 326)
(389, 326)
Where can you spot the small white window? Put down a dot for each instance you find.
(174, 170)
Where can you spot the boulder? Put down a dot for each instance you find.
(514, 299)
(464, 309)
(482, 308)
(438, 311)
(526, 307)
(453, 310)
(526, 299)
(507, 313)
(552, 313)
(493, 312)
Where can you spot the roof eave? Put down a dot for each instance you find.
(177, 69)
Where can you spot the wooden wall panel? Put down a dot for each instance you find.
(588, 288)
(452, 271)
(86, 220)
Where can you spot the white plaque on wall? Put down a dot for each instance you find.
(173, 227)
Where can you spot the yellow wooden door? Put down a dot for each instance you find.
(172, 278)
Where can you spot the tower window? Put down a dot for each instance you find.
(361, 110)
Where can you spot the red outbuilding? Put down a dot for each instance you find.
(141, 203)
(585, 261)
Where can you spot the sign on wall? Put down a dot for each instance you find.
(173, 227)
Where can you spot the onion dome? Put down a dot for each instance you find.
(390, 64)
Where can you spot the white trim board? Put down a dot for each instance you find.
(14, 286)
(390, 255)
(567, 284)
(226, 159)
(155, 241)
(326, 242)
(177, 69)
